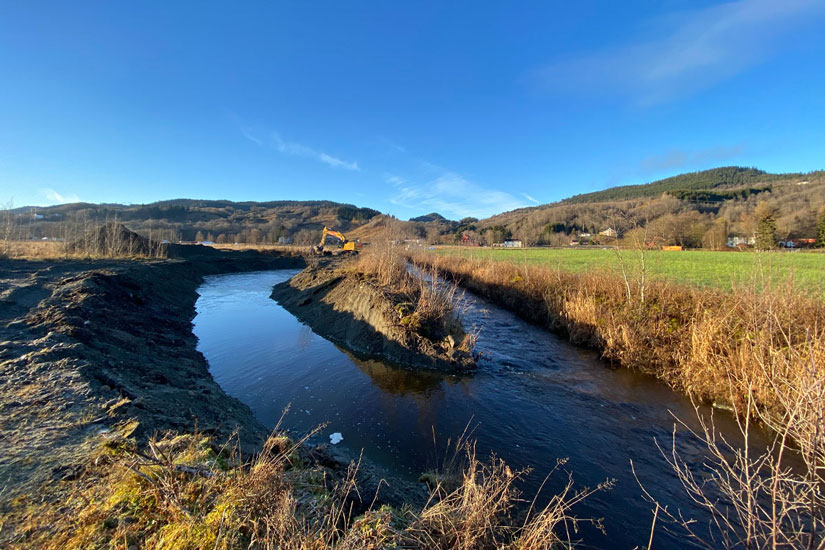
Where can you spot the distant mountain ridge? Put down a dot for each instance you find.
(715, 178)
(194, 219)
(698, 200)
(431, 217)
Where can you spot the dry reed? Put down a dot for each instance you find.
(758, 351)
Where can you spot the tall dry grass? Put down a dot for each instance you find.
(759, 351)
(427, 304)
(182, 493)
(81, 238)
(714, 345)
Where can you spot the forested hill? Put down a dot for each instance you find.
(724, 178)
(695, 209)
(189, 219)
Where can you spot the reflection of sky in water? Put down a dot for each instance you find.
(534, 399)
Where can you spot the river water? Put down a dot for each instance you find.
(534, 399)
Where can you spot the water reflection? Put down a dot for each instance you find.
(401, 381)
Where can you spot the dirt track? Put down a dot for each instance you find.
(87, 346)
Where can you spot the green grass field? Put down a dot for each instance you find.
(696, 267)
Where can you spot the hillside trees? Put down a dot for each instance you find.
(686, 229)
(716, 237)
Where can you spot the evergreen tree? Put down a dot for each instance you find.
(766, 233)
(820, 230)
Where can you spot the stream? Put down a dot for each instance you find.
(534, 399)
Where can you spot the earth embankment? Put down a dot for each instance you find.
(91, 348)
(350, 310)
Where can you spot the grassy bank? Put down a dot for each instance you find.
(707, 269)
(759, 351)
(718, 346)
(186, 493)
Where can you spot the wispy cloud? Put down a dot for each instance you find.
(698, 49)
(298, 150)
(285, 147)
(57, 198)
(529, 198)
(392, 145)
(680, 158)
(452, 195)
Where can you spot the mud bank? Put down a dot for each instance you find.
(356, 314)
(89, 348)
(95, 352)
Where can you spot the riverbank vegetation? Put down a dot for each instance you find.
(109, 240)
(758, 351)
(702, 341)
(184, 492)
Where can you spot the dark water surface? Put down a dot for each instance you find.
(534, 398)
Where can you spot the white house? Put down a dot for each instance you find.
(733, 242)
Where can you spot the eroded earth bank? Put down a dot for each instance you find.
(407, 322)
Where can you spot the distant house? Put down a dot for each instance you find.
(585, 235)
(574, 242)
(513, 243)
(799, 243)
(735, 241)
(467, 241)
(609, 232)
(284, 240)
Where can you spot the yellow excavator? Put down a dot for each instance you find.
(346, 246)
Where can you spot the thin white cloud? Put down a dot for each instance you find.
(397, 181)
(393, 145)
(296, 149)
(680, 158)
(529, 198)
(57, 198)
(453, 196)
(248, 135)
(698, 50)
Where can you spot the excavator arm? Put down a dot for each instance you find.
(346, 245)
(330, 233)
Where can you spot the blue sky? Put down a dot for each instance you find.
(465, 108)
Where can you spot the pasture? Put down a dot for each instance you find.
(702, 268)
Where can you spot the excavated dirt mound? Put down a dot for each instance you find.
(354, 313)
(92, 351)
(114, 239)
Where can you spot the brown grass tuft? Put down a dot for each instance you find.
(180, 492)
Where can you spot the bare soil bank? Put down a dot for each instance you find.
(88, 346)
(350, 310)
